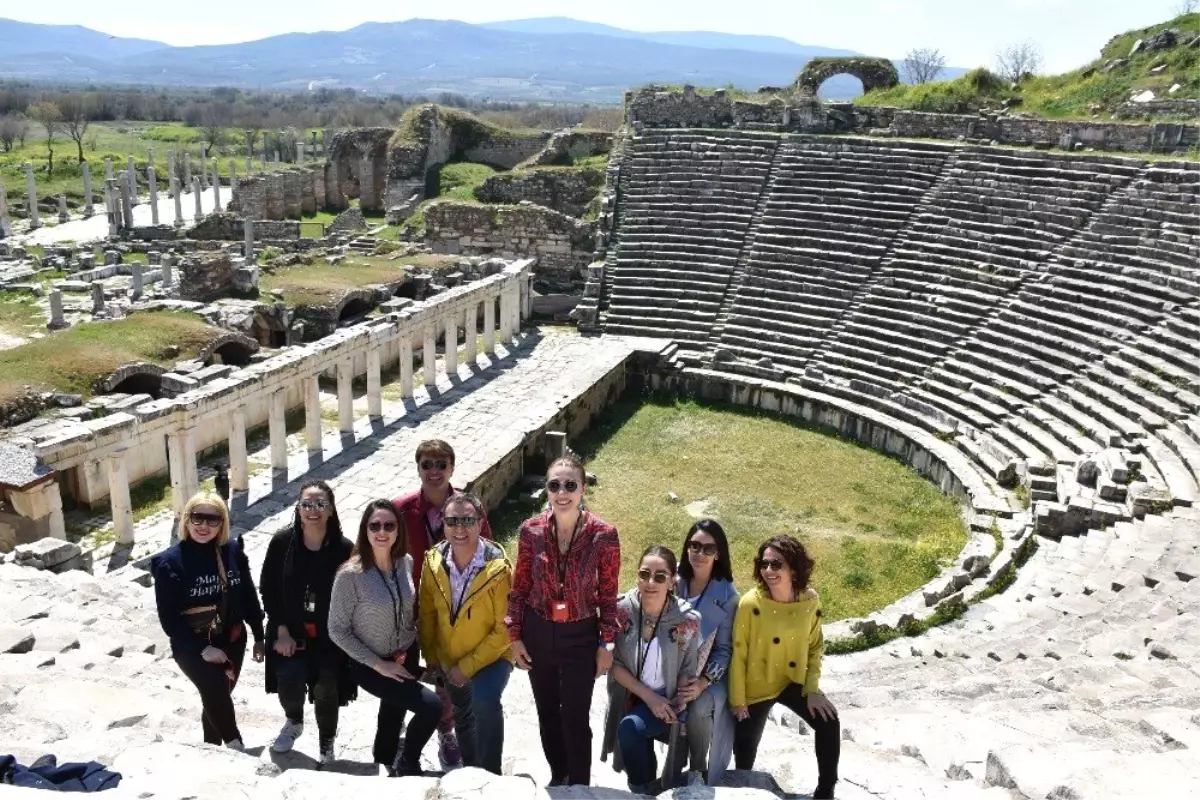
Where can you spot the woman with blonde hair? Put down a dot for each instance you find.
(206, 597)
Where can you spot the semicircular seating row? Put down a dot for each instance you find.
(1034, 307)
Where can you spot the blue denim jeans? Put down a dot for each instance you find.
(635, 736)
(479, 716)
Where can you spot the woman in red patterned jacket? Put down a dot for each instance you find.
(562, 617)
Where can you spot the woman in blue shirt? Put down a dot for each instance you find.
(705, 581)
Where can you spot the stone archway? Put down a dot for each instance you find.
(875, 73)
(230, 348)
(134, 378)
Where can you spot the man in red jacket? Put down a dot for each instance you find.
(422, 515)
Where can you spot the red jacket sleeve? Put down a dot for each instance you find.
(522, 585)
(608, 545)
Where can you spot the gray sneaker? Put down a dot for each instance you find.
(287, 737)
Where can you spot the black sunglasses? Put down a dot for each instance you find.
(200, 518)
(375, 526)
(439, 464)
(314, 505)
(773, 564)
(555, 486)
(459, 522)
(658, 577)
(704, 548)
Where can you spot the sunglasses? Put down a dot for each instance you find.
(375, 526)
(439, 464)
(555, 486)
(703, 548)
(314, 505)
(658, 577)
(459, 522)
(772, 564)
(200, 518)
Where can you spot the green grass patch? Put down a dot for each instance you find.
(19, 313)
(321, 284)
(876, 529)
(460, 179)
(73, 359)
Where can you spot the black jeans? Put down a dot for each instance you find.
(396, 698)
(827, 734)
(562, 678)
(294, 675)
(212, 681)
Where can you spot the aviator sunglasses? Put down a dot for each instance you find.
(703, 548)
(375, 526)
(555, 486)
(201, 518)
(314, 505)
(439, 464)
(772, 564)
(658, 577)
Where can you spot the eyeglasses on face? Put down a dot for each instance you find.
(202, 518)
(658, 576)
(555, 486)
(434, 463)
(703, 548)
(314, 505)
(772, 564)
(459, 522)
(375, 526)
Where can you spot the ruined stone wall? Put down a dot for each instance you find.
(562, 244)
(205, 278)
(564, 189)
(231, 228)
(564, 147)
(286, 194)
(653, 107)
(505, 152)
(358, 159)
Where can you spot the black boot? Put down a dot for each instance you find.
(823, 792)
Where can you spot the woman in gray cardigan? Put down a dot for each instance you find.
(706, 582)
(371, 620)
(656, 652)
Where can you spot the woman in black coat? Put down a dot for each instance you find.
(296, 583)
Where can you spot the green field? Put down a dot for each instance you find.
(876, 529)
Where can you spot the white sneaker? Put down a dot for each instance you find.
(287, 737)
(236, 744)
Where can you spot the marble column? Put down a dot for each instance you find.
(406, 364)
(375, 383)
(168, 271)
(450, 343)
(120, 502)
(187, 169)
(181, 454)
(88, 206)
(171, 171)
(300, 152)
(196, 196)
(63, 216)
(97, 297)
(127, 190)
(472, 320)
(108, 170)
(203, 166)
(5, 219)
(111, 209)
(177, 194)
(312, 414)
(345, 395)
(131, 171)
(489, 324)
(152, 179)
(233, 179)
(35, 220)
(277, 419)
(429, 354)
(239, 467)
(57, 320)
(248, 225)
(505, 315)
(216, 184)
(139, 277)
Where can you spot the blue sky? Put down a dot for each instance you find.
(969, 32)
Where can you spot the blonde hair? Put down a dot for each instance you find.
(205, 499)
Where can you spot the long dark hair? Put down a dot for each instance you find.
(363, 555)
(794, 555)
(723, 566)
(333, 525)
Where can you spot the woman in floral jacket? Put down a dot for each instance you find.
(657, 651)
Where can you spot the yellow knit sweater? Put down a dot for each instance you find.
(775, 644)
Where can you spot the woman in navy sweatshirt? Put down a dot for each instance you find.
(206, 598)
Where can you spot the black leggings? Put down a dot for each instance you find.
(395, 698)
(212, 680)
(826, 733)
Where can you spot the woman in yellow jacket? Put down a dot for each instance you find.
(777, 649)
(465, 582)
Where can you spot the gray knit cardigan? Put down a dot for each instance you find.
(363, 611)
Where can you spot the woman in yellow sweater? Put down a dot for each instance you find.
(777, 648)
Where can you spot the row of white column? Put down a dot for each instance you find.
(181, 443)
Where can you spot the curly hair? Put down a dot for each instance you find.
(794, 555)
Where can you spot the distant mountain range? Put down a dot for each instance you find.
(548, 59)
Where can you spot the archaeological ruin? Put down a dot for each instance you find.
(1009, 306)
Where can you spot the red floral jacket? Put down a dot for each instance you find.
(593, 567)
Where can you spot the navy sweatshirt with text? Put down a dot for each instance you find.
(185, 576)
